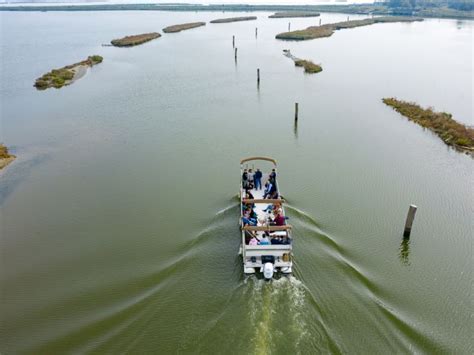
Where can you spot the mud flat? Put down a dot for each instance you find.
(442, 124)
(5, 157)
(234, 19)
(314, 32)
(183, 27)
(290, 14)
(135, 40)
(57, 78)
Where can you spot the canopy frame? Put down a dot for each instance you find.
(271, 160)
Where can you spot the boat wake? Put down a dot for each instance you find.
(282, 316)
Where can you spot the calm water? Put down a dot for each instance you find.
(119, 218)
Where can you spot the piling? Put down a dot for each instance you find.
(289, 26)
(235, 53)
(296, 111)
(319, 22)
(409, 221)
(256, 32)
(233, 41)
(347, 18)
(258, 76)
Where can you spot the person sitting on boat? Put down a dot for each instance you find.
(264, 240)
(269, 189)
(276, 240)
(257, 178)
(253, 241)
(279, 220)
(285, 240)
(273, 208)
(249, 221)
(249, 196)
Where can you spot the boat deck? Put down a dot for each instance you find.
(262, 215)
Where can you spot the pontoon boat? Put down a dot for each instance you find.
(266, 242)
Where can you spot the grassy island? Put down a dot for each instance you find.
(309, 66)
(129, 41)
(5, 157)
(450, 131)
(234, 19)
(289, 14)
(182, 27)
(57, 78)
(327, 30)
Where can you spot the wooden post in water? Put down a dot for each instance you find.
(409, 221)
(235, 53)
(256, 32)
(258, 76)
(289, 26)
(347, 18)
(233, 41)
(296, 111)
(319, 22)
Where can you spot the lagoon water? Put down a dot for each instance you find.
(119, 228)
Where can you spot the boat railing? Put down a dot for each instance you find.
(266, 247)
(268, 228)
(270, 201)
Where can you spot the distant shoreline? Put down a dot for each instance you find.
(362, 9)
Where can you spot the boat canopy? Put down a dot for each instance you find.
(258, 158)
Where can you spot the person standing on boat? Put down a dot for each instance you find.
(273, 176)
(250, 177)
(245, 181)
(257, 177)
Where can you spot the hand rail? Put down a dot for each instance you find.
(267, 228)
(261, 200)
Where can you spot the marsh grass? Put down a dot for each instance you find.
(5, 157)
(234, 19)
(4, 152)
(129, 41)
(309, 66)
(327, 30)
(449, 130)
(182, 27)
(290, 14)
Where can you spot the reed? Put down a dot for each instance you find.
(130, 41)
(291, 14)
(309, 66)
(313, 32)
(183, 27)
(5, 157)
(234, 19)
(442, 124)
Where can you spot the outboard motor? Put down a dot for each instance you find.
(268, 270)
